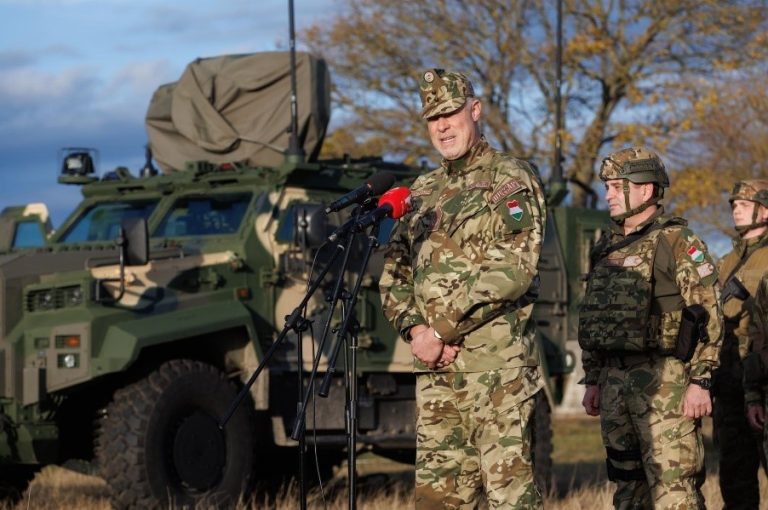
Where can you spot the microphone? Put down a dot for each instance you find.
(377, 184)
(394, 203)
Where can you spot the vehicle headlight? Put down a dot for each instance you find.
(68, 360)
(50, 299)
(45, 301)
(74, 296)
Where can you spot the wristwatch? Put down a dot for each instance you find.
(704, 383)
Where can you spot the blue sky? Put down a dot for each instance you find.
(80, 73)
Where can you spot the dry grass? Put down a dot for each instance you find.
(579, 465)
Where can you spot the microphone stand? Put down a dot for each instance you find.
(295, 321)
(298, 423)
(351, 325)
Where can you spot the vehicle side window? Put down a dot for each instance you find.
(204, 215)
(29, 234)
(101, 222)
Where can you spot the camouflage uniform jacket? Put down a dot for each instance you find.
(758, 326)
(463, 260)
(683, 261)
(758, 334)
(736, 311)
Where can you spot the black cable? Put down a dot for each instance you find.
(311, 387)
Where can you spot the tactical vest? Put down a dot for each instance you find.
(620, 312)
(748, 273)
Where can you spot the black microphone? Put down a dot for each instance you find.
(377, 184)
(393, 204)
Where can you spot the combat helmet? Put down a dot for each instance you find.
(752, 190)
(640, 166)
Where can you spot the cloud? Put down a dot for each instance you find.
(82, 73)
(133, 84)
(25, 57)
(32, 99)
(16, 58)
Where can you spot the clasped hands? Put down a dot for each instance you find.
(431, 350)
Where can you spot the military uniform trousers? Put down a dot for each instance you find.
(655, 453)
(473, 433)
(739, 446)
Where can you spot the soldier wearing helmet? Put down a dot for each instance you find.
(740, 271)
(650, 329)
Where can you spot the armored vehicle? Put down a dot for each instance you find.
(127, 335)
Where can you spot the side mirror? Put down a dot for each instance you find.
(135, 242)
(133, 249)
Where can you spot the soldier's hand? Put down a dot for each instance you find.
(756, 416)
(448, 355)
(591, 400)
(697, 402)
(426, 347)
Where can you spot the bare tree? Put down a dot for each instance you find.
(726, 141)
(624, 66)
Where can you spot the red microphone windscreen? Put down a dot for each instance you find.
(399, 199)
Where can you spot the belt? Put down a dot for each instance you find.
(628, 360)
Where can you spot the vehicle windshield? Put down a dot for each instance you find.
(101, 222)
(219, 214)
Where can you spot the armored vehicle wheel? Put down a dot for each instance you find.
(160, 445)
(14, 480)
(542, 444)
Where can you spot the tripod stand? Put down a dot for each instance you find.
(296, 322)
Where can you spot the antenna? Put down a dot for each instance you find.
(557, 187)
(295, 152)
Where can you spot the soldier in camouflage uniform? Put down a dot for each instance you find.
(650, 328)
(458, 281)
(740, 271)
(756, 363)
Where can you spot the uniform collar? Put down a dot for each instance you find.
(747, 246)
(619, 229)
(458, 166)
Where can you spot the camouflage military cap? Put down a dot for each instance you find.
(754, 190)
(443, 92)
(636, 164)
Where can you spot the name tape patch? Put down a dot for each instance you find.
(506, 189)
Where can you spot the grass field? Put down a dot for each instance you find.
(579, 470)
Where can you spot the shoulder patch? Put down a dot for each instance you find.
(421, 192)
(480, 185)
(705, 270)
(506, 189)
(696, 254)
(515, 211)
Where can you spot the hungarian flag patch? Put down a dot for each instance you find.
(515, 210)
(696, 254)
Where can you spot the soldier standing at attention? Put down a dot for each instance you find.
(459, 276)
(650, 328)
(756, 363)
(739, 273)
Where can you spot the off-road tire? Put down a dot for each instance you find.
(14, 480)
(542, 444)
(159, 446)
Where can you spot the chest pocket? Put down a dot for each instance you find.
(457, 211)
